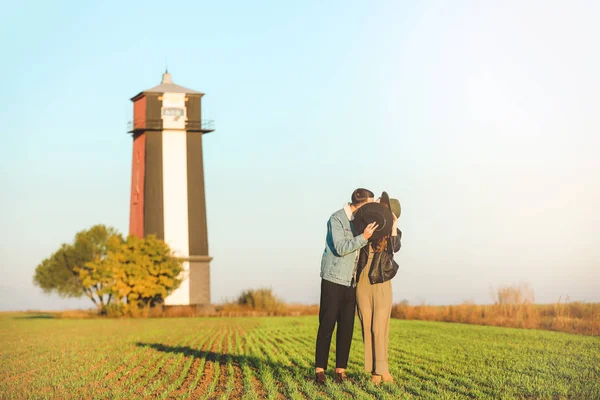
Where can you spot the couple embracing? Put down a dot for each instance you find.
(356, 270)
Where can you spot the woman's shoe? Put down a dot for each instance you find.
(376, 379)
(340, 377)
(320, 378)
(387, 378)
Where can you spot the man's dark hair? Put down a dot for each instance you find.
(361, 195)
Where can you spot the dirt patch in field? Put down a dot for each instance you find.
(174, 371)
(221, 387)
(189, 378)
(132, 372)
(207, 377)
(191, 374)
(209, 367)
(238, 364)
(222, 357)
(47, 390)
(160, 374)
(238, 383)
(258, 388)
(174, 376)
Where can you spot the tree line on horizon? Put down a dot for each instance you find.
(132, 276)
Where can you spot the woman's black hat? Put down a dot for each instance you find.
(374, 212)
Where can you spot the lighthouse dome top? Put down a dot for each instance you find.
(167, 86)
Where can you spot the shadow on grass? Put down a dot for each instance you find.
(236, 359)
(34, 317)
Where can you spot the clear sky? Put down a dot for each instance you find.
(481, 117)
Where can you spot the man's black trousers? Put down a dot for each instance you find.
(338, 303)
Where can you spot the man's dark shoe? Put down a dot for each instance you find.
(340, 377)
(320, 378)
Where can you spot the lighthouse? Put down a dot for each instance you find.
(167, 181)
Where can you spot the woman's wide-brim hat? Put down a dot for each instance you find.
(374, 212)
(393, 204)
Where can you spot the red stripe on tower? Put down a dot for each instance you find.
(136, 211)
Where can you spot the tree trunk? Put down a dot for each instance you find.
(89, 294)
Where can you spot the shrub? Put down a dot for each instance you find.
(115, 310)
(260, 299)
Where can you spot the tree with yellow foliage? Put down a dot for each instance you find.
(110, 270)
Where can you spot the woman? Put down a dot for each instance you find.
(376, 267)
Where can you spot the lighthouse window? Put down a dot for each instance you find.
(172, 112)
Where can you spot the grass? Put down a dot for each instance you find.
(272, 357)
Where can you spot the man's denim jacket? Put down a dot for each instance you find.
(341, 250)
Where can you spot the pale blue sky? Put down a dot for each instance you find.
(481, 117)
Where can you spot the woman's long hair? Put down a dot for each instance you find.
(380, 244)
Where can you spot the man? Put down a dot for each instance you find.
(338, 285)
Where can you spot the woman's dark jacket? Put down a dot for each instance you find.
(383, 267)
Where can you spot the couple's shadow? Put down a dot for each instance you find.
(236, 359)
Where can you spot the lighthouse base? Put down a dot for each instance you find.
(195, 288)
(200, 281)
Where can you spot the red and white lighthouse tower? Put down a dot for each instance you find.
(167, 183)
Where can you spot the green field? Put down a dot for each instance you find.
(273, 357)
